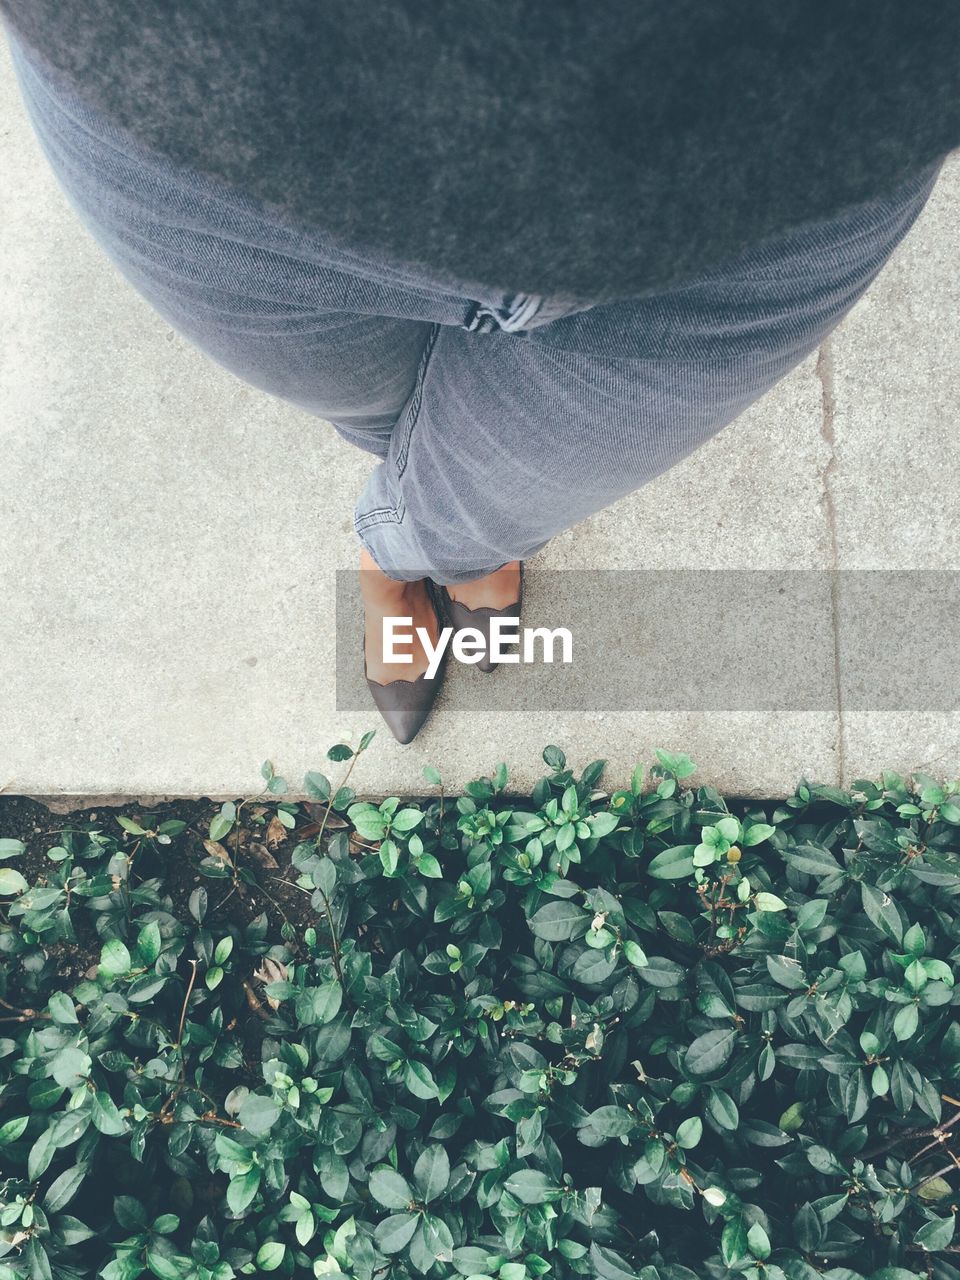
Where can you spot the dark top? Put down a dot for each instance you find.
(590, 149)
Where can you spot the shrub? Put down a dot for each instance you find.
(644, 1034)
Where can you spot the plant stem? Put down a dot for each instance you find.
(183, 1011)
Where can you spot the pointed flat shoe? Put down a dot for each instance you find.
(460, 616)
(406, 704)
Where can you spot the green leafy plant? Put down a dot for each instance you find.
(644, 1034)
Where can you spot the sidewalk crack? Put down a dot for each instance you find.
(828, 407)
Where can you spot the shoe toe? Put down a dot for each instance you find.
(405, 704)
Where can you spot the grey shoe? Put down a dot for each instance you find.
(460, 616)
(405, 704)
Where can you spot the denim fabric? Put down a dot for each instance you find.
(500, 418)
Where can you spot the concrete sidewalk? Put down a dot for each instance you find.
(165, 559)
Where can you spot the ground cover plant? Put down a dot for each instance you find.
(648, 1033)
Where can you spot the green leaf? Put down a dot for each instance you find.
(149, 942)
(390, 1188)
(733, 1241)
(222, 950)
(395, 1232)
(906, 1022)
(406, 820)
(431, 1173)
(70, 1066)
(729, 828)
(270, 1255)
(368, 820)
(758, 1241)
(317, 786)
(610, 1121)
(114, 959)
(389, 852)
(242, 1189)
(610, 1265)
(934, 1189)
(306, 1227)
(769, 902)
(792, 1118)
(807, 1228)
(11, 882)
(895, 1273)
(419, 1080)
(316, 1006)
(813, 860)
(559, 921)
(675, 863)
(936, 1234)
(62, 1010)
(825, 1161)
(258, 1114)
(602, 824)
(41, 1154)
(710, 1052)
(661, 972)
(882, 911)
(105, 1115)
(428, 866)
(722, 1109)
(472, 1261)
(756, 834)
(220, 825)
(690, 1132)
(531, 1186)
(12, 1130)
(162, 1266)
(63, 1188)
(787, 972)
(129, 1213)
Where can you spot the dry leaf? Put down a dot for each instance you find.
(271, 971)
(262, 854)
(276, 832)
(216, 850)
(322, 816)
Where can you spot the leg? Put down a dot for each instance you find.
(327, 330)
(274, 309)
(508, 440)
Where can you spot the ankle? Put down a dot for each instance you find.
(382, 593)
(497, 590)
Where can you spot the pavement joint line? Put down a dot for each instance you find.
(828, 405)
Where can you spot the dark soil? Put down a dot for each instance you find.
(259, 846)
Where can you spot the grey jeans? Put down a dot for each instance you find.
(500, 418)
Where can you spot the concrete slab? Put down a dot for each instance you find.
(893, 374)
(169, 538)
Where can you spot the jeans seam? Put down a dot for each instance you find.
(411, 414)
(415, 402)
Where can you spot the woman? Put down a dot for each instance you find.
(529, 255)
